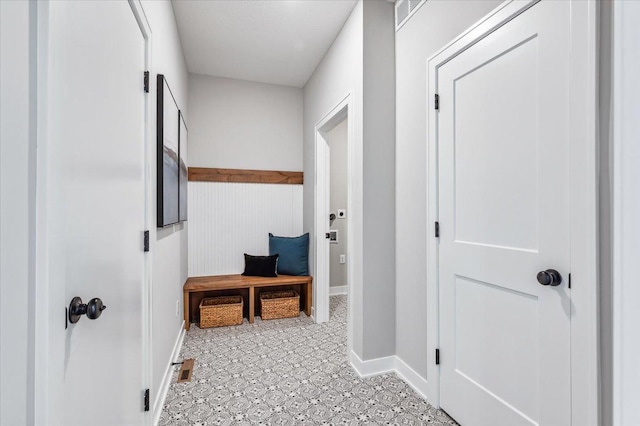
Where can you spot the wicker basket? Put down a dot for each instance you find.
(279, 304)
(221, 311)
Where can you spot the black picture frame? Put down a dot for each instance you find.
(183, 176)
(167, 142)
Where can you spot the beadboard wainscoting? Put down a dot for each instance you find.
(229, 219)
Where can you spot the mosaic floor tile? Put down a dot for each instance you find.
(287, 372)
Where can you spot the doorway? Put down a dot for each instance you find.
(338, 216)
(339, 115)
(93, 186)
(504, 253)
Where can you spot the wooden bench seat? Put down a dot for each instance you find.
(196, 288)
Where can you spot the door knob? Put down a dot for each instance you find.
(549, 277)
(93, 309)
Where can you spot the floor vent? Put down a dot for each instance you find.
(405, 9)
(185, 371)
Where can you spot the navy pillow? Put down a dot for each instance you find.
(294, 254)
(260, 266)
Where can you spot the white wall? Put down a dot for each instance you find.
(379, 179)
(169, 245)
(343, 72)
(240, 124)
(626, 214)
(338, 200)
(435, 24)
(17, 197)
(338, 75)
(229, 219)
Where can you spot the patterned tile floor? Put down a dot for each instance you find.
(287, 372)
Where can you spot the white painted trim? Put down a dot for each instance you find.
(146, 322)
(626, 211)
(411, 377)
(390, 364)
(582, 145)
(168, 374)
(583, 171)
(337, 289)
(372, 367)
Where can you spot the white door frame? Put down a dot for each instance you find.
(583, 193)
(149, 217)
(43, 311)
(344, 109)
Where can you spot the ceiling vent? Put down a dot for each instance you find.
(405, 9)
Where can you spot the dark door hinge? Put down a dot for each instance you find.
(146, 400)
(437, 229)
(146, 82)
(437, 102)
(569, 280)
(327, 236)
(437, 356)
(146, 241)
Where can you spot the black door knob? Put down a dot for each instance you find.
(549, 277)
(93, 309)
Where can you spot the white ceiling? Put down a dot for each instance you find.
(269, 41)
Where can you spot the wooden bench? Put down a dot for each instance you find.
(196, 288)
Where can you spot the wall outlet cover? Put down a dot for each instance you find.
(342, 214)
(343, 258)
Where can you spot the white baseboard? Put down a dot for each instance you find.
(338, 289)
(372, 367)
(375, 367)
(413, 379)
(166, 380)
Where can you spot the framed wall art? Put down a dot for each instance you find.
(168, 181)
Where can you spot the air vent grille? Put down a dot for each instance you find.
(413, 4)
(405, 9)
(402, 11)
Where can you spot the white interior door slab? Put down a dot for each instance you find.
(95, 211)
(504, 217)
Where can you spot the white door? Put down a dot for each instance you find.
(504, 217)
(95, 211)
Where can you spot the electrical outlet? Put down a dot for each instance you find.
(343, 258)
(177, 307)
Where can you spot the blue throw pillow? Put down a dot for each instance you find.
(294, 254)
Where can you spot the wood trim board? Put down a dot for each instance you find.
(204, 174)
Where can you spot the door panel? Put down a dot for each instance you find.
(96, 211)
(503, 190)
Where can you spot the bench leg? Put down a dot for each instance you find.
(307, 309)
(252, 307)
(187, 314)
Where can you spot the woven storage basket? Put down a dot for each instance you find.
(279, 304)
(221, 311)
